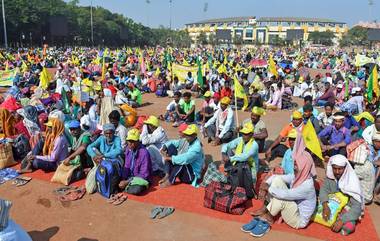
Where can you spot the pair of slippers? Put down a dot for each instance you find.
(117, 199)
(161, 212)
(67, 194)
(21, 181)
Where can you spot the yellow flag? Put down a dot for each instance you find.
(157, 73)
(104, 64)
(272, 67)
(376, 82)
(24, 67)
(240, 93)
(311, 139)
(44, 79)
(6, 66)
(185, 63)
(222, 69)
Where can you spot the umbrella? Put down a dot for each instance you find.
(258, 63)
(286, 64)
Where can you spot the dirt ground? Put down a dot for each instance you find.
(37, 210)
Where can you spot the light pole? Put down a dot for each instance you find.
(92, 27)
(370, 4)
(170, 9)
(5, 25)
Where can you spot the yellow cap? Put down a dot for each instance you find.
(297, 115)
(207, 94)
(152, 120)
(190, 130)
(300, 80)
(133, 135)
(258, 111)
(292, 134)
(247, 128)
(225, 100)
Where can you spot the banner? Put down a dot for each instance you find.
(181, 71)
(7, 77)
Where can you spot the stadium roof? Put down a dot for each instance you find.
(266, 19)
(224, 20)
(296, 19)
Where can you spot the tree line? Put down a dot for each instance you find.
(28, 24)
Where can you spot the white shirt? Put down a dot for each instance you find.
(304, 86)
(157, 138)
(172, 105)
(122, 132)
(368, 133)
(358, 101)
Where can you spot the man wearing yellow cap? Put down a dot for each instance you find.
(245, 149)
(187, 166)
(220, 127)
(208, 108)
(260, 133)
(277, 149)
(137, 170)
(153, 136)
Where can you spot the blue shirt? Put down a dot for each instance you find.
(246, 154)
(349, 121)
(193, 156)
(336, 136)
(109, 150)
(287, 162)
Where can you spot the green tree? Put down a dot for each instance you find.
(277, 41)
(325, 38)
(237, 39)
(32, 17)
(202, 38)
(355, 36)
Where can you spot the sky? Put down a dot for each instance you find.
(187, 11)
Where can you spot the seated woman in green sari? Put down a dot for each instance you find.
(80, 141)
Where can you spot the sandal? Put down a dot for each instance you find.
(165, 212)
(155, 211)
(72, 195)
(21, 181)
(114, 197)
(121, 198)
(63, 190)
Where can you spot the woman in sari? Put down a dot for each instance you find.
(7, 124)
(54, 150)
(30, 121)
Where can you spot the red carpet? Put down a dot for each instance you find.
(190, 199)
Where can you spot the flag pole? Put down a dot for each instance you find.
(236, 109)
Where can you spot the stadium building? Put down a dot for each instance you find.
(264, 30)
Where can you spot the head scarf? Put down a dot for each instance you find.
(349, 182)
(305, 166)
(30, 119)
(7, 122)
(56, 130)
(108, 127)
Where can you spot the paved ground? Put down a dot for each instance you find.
(45, 218)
